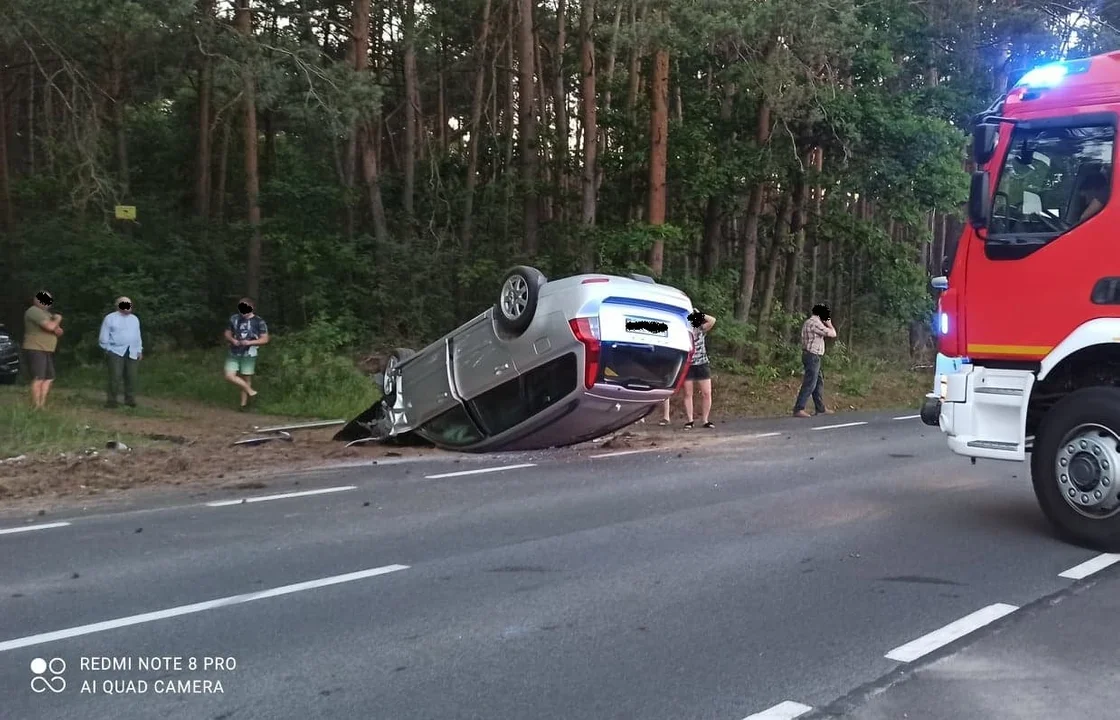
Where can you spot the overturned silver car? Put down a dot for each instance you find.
(552, 363)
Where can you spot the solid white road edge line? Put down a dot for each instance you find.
(907, 417)
(624, 452)
(1087, 568)
(842, 425)
(926, 644)
(782, 711)
(282, 496)
(26, 528)
(196, 607)
(479, 471)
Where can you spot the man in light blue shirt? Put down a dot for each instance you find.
(120, 339)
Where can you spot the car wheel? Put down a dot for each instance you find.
(517, 302)
(1075, 468)
(8, 379)
(394, 359)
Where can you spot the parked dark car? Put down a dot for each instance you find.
(9, 357)
(551, 363)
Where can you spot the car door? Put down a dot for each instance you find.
(425, 389)
(481, 360)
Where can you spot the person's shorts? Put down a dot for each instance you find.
(40, 364)
(699, 372)
(243, 365)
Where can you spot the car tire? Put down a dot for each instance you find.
(9, 379)
(1095, 449)
(389, 381)
(517, 300)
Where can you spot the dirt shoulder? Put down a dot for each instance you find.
(172, 444)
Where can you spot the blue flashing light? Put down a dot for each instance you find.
(1047, 76)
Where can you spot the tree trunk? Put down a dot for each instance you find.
(637, 15)
(509, 119)
(205, 95)
(612, 56)
(560, 103)
(411, 107)
(475, 127)
(818, 205)
(223, 172)
(777, 253)
(590, 129)
(8, 216)
(750, 228)
(116, 92)
(658, 152)
(709, 258)
(252, 180)
(526, 110)
(793, 264)
(363, 139)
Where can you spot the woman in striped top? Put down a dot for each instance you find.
(699, 372)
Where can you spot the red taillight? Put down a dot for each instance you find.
(586, 331)
(594, 280)
(949, 334)
(684, 370)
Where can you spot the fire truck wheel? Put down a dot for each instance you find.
(1075, 467)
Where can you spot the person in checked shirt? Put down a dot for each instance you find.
(816, 328)
(120, 339)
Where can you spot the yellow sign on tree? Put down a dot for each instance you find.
(126, 212)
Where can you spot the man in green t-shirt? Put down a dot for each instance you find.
(41, 331)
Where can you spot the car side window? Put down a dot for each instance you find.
(517, 400)
(453, 427)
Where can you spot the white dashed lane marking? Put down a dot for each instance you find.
(1087, 568)
(620, 453)
(282, 496)
(841, 425)
(764, 435)
(28, 528)
(782, 711)
(196, 607)
(941, 637)
(479, 471)
(907, 417)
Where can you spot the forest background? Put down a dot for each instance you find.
(368, 169)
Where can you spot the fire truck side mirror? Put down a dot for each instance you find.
(979, 196)
(984, 136)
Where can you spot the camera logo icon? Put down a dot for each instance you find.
(40, 682)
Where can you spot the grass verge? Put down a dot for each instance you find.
(64, 426)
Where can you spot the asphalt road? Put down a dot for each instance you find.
(788, 568)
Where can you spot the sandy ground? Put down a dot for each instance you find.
(195, 446)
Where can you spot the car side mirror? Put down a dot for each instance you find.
(984, 136)
(979, 195)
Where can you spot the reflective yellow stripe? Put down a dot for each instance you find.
(1032, 350)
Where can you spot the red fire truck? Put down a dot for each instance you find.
(1031, 306)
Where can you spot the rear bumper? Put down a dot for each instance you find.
(983, 411)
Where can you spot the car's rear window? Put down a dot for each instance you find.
(640, 367)
(519, 399)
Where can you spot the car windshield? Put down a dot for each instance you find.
(1052, 180)
(640, 367)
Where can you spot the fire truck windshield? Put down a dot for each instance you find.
(1052, 180)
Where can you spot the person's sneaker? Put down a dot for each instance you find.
(802, 414)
